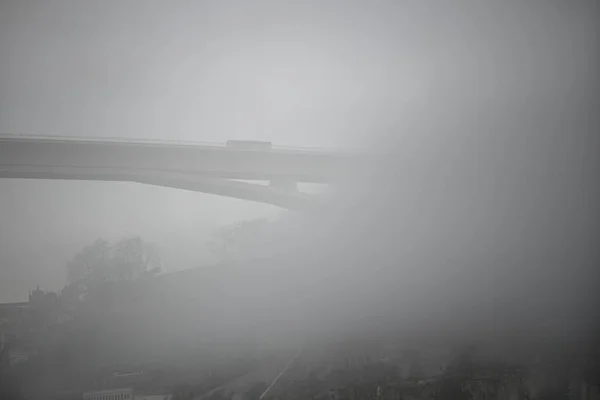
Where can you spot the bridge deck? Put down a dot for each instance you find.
(209, 161)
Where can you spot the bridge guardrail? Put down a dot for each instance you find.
(108, 139)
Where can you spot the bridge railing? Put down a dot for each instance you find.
(132, 140)
(111, 139)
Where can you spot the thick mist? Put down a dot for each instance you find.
(470, 214)
(472, 217)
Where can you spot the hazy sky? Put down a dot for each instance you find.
(307, 73)
(297, 74)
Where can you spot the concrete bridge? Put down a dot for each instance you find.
(206, 168)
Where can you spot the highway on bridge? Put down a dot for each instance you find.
(206, 168)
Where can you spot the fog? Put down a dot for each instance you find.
(471, 217)
(44, 223)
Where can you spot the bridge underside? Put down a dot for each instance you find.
(283, 196)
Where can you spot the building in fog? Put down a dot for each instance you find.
(110, 394)
(124, 394)
(153, 396)
(41, 298)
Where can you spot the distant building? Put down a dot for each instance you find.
(41, 298)
(110, 394)
(124, 394)
(153, 396)
(19, 321)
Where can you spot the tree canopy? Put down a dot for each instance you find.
(240, 240)
(127, 259)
